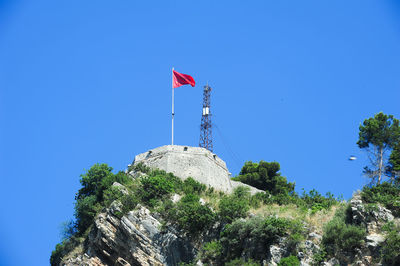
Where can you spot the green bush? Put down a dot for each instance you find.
(257, 199)
(255, 235)
(319, 256)
(341, 236)
(391, 247)
(242, 262)
(85, 210)
(62, 249)
(191, 186)
(289, 261)
(191, 215)
(129, 201)
(156, 187)
(211, 252)
(312, 200)
(386, 194)
(315, 201)
(140, 167)
(119, 177)
(111, 194)
(234, 206)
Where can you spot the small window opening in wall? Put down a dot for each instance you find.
(215, 156)
(185, 148)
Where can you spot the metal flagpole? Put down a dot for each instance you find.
(172, 137)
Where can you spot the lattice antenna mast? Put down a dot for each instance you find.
(206, 126)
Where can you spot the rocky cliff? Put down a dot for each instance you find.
(241, 229)
(134, 239)
(139, 238)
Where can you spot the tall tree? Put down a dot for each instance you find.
(378, 135)
(393, 169)
(265, 176)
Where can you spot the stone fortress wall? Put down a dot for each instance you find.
(186, 161)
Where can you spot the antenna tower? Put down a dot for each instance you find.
(205, 127)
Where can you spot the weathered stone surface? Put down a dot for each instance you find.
(135, 239)
(276, 254)
(374, 240)
(309, 250)
(83, 260)
(185, 161)
(121, 188)
(372, 220)
(314, 236)
(253, 190)
(175, 198)
(331, 262)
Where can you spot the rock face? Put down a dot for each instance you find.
(371, 219)
(134, 239)
(198, 163)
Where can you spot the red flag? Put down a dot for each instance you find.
(179, 79)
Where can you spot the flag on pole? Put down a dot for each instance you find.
(179, 79)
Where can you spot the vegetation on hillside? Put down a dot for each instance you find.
(340, 234)
(247, 225)
(190, 215)
(266, 176)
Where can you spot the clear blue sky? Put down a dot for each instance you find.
(83, 82)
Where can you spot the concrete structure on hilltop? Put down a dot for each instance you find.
(198, 163)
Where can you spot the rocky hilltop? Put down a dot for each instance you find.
(157, 215)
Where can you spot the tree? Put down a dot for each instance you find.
(393, 169)
(378, 135)
(92, 181)
(265, 176)
(90, 197)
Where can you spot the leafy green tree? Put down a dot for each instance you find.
(378, 135)
(92, 181)
(265, 176)
(90, 197)
(393, 169)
